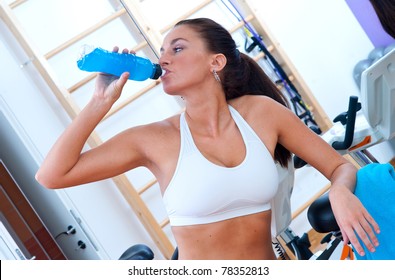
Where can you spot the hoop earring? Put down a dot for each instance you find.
(216, 77)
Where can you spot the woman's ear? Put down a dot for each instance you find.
(218, 62)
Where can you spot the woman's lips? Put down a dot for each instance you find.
(165, 73)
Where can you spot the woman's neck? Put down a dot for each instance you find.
(207, 117)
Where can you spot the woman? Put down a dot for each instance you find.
(215, 163)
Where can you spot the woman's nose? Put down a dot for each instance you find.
(163, 60)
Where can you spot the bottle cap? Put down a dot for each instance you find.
(157, 71)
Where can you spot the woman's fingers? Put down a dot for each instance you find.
(363, 231)
(120, 83)
(125, 50)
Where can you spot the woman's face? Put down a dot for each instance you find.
(185, 61)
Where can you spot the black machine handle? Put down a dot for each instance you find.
(348, 119)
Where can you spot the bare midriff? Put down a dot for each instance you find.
(242, 238)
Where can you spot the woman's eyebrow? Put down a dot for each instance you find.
(173, 42)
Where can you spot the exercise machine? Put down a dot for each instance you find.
(363, 125)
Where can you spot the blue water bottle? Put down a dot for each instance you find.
(100, 60)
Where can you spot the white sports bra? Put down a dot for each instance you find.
(202, 192)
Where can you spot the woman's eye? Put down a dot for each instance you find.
(177, 49)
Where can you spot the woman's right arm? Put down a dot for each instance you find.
(65, 165)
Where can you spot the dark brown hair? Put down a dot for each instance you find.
(241, 75)
(385, 10)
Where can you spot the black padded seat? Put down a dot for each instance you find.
(320, 215)
(138, 252)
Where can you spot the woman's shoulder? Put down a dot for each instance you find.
(262, 112)
(251, 99)
(248, 105)
(152, 132)
(166, 126)
(154, 139)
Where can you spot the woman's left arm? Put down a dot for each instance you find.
(351, 216)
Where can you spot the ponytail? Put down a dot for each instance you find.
(385, 10)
